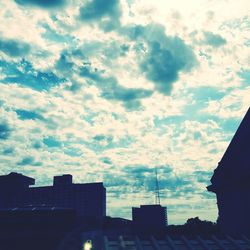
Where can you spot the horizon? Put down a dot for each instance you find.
(109, 91)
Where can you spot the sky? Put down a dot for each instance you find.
(109, 90)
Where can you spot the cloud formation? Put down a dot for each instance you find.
(112, 90)
(42, 3)
(51, 142)
(214, 40)
(29, 160)
(163, 57)
(100, 89)
(4, 131)
(28, 115)
(24, 73)
(14, 48)
(107, 13)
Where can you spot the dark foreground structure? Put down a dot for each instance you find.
(175, 243)
(231, 183)
(48, 217)
(37, 228)
(195, 234)
(88, 199)
(149, 218)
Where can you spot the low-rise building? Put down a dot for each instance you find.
(149, 217)
(87, 199)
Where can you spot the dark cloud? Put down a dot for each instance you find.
(161, 67)
(29, 160)
(130, 97)
(113, 50)
(53, 35)
(177, 186)
(8, 151)
(37, 145)
(107, 13)
(119, 182)
(203, 176)
(214, 40)
(171, 185)
(162, 57)
(197, 135)
(134, 32)
(26, 161)
(64, 64)
(112, 90)
(28, 115)
(108, 50)
(73, 152)
(204, 94)
(23, 73)
(73, 87)
(102, 142)
(14, 48)
(42, 3)
(99, 137)
(4, 131)
(140, 170)
(141, 179)
(106, 160)
(51, 142)
(124, 49)
(244, 74)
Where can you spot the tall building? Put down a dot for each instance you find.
(88, 199)
(231, 182)
(153, 217)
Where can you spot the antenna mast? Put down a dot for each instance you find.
(157, 190)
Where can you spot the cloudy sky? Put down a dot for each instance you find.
(107, 90)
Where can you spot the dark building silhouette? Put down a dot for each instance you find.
(36, 227)
(180, 242)
(88, 199)
(231, 182)
(149, 218)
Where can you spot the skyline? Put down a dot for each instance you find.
(107, 92)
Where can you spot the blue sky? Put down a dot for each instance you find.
(109, 90)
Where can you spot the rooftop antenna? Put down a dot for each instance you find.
(157, 190)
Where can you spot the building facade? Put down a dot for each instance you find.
(88, 199)
(231, 183)
(149, 217)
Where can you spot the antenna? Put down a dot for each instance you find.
(157, 191)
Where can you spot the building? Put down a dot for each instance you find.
(88, 199)
(168, 242)
(149, 217)
(35, 227)
(14, 189)
(231, 182)
(29, 217)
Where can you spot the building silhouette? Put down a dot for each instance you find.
(35, 227)
(149, 218)
(88, 199)
(231, 182)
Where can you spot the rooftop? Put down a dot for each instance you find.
(173, 243)
(233, 169)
